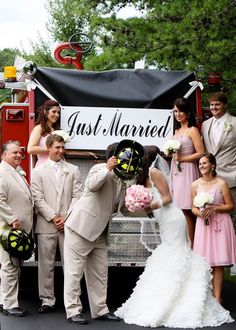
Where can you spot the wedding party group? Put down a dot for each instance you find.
(193, 201)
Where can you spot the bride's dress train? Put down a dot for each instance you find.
(175, 288)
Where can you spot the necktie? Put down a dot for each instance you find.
(56, 166)
(216, 131)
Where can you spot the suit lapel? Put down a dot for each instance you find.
(211, 142)
(63, 176)
(26, 187)
(122, 188)
(224, 134)
(22, 182)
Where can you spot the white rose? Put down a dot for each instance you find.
(63, 134)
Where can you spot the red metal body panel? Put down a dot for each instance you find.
(17, 129)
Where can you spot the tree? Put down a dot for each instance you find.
(197, 35)
(7, 57)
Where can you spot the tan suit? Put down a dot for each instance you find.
(16, 202)
(86, 235)
(224, 151)
(52, 198)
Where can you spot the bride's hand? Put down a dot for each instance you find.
(153, 206)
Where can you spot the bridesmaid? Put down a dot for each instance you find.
(48, 121)
(214, 236)
(184, 169)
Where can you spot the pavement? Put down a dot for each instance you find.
(121, 283)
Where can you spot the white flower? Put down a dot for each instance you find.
(202, 199)
(64, 169)
(170, 146)
(227, 126)
(21, 171)
(63, 134)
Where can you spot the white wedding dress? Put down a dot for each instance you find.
(175, 288)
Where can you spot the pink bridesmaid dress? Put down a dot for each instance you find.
(216, 242)
(181, 180)
(42, 158)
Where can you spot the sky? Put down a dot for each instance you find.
(20, 22)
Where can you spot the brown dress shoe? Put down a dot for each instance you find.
(44, 309)
(78, 319)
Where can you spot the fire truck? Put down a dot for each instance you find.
(99, 108)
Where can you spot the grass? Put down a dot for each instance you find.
(229, 277)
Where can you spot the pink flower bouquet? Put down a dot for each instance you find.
(137, 198)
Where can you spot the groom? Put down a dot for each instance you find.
(87, 231)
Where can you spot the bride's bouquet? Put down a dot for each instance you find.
(63, 134)
(137, 198)
(202, 200)
(171, 146)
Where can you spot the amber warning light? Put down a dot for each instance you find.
(14, 114)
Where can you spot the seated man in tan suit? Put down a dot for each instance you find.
(16, 211)
(56, 186)
(86, 236)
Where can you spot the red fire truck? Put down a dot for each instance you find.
(98, 108)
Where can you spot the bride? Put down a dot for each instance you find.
(175, 288)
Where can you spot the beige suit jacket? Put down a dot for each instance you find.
(225, 150)
(50, 199)
(92, 213)
(16, 199)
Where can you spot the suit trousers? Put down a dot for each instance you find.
(10, 273)
(47, 247)
(81, 256)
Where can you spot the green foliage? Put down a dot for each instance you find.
(196, 35)
(171, 35)
(7, 57)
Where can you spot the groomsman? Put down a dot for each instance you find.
(56, 186)
(16, 211)
(219, 137)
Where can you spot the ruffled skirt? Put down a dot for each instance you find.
(174, 291)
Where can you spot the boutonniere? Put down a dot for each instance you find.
(64, 168)
(21, 171)
(227, 126)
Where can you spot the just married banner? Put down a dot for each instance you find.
(94, 128)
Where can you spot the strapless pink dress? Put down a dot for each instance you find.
(181, 180)
(42, 158)
(216, 242)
